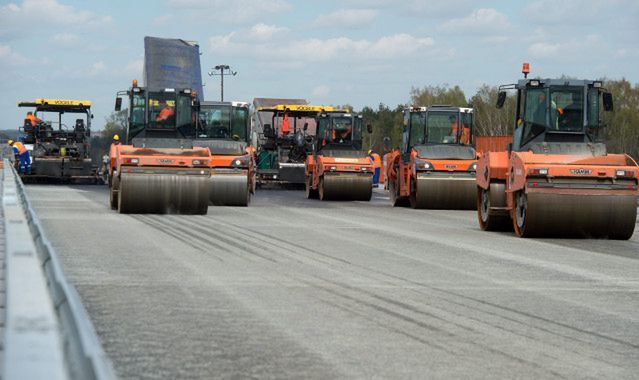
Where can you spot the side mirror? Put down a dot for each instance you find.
(386, 144)
(501, 99)
(118, 103)
(305, 127)
(369, 128)
(607, 101)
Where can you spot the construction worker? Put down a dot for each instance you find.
(342, 132)
(116, 139)
(33, 119)
(165, 114)
(377, 166)
(286, 128)
(22, 154)
(465, 135)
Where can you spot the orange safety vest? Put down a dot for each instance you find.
(165, 113)
(285, 125)
(33, 120)
(21, 149)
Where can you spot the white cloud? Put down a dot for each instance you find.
(416, 8)
(45, 13)
(66, 39)
(565, 11)
(321, 91)
(321, 50)
(264, 32)
(230, 12)
(544, 49)
(482, 21)
(96, 69)
(12, 58)
(134, 69)
(162, 21)
(570, 50)
(346, 18)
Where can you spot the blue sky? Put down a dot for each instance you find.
(360, 52)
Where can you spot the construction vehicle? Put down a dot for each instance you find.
(338, 168)
(435, 166)
(556, 179)
(158, 169)
(223, 128)
(285, 129)
(60, 152)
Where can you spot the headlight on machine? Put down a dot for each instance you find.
(472, 167)
(423, 165)
(624, 173)
(131, 161)
(241, 162)
(538, 172)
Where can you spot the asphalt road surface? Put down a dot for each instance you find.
(296, 288)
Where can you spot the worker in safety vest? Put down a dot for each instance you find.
(377, 166)
(33, 119)
(286, 127)
(22, 154)
(465, 134)
(116, 140)
(165, 114)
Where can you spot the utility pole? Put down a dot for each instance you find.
(222, 70)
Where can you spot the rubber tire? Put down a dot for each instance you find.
(489, 222)
(114, 193)
(310, 192)
(519, 215)
(393, 189)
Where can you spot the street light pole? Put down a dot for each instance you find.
(222, 70)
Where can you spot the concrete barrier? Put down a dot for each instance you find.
(48, 333)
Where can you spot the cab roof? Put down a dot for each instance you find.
(443, 108)
(302, 108)
(58, 105)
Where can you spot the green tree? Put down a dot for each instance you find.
(621, 131)
(115, 123)
(489, 120)
(438, 95)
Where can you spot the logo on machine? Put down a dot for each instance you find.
(580, 171)
(165, 160)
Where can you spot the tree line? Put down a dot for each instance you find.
(620, 131)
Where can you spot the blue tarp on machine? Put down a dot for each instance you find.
(172, 63)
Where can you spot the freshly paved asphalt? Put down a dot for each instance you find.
(297, 288)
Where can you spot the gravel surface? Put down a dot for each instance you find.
(297, 288)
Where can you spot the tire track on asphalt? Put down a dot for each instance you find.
(523, 324)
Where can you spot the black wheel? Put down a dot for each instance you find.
(393, 189)
(310, 192)
(520, 213)
(115, 190)
(322, 195)
(489, 222)
(413, 194)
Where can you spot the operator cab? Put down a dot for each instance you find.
(558, 115)
(439, 132)
(339, 131)
(154, 115)
(223, 127)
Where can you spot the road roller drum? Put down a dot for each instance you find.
(574, 215)
(163, 194)
(358, 187)
(449, 192)
(229, 190)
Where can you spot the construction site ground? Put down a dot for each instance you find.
(296, 288)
